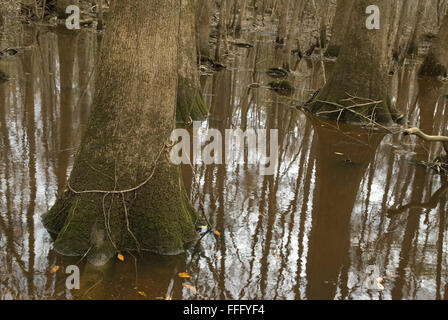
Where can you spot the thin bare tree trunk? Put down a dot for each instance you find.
(242, 15)
(190, 104)
(203, 11)
(296, 11)
(417, 32)
(283, 22)
(221, 32)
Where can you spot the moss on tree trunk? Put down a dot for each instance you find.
(140, 202)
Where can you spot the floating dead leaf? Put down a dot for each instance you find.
(338, 154)
(54, 269)
(142, 293)
(379, 283)
(168, 298)
(183, 275)
(217, 233)
(120, 257)
(190, 287)
(203, 227)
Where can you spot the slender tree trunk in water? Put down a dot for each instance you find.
(67, 48)
(296, 11)
(263, 11)
(221, 31)
(340, 25)
(242, 15)
(361, 71)
(255, 11)
(282, 22)
(229, 6)
(203, 11)
(404, 28)
(84, 58)
(323, 24)
(397, 7)
(189, 97)
(417, 31)
(436, 62)
(100, 15)
(61, 6)
(123, 193)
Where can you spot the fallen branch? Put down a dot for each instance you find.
(417, 132)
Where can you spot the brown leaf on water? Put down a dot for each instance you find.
(142, 293)
(190, 287)
(168, 298)
(338, 154)
(217, 233)
(379, 283)
(54, 269)
(120, 257)
(183, 275)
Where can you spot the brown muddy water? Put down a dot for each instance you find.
(341, 199)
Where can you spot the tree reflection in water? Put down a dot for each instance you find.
(340, 200)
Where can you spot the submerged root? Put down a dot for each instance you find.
(155, 217)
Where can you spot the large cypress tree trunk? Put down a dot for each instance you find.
(436, 62)
(340, 25)
(190, 104)
(123, 193)
(360, 71)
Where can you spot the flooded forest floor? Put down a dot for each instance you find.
(342, 198)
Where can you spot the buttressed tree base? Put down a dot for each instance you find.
(123, 193)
